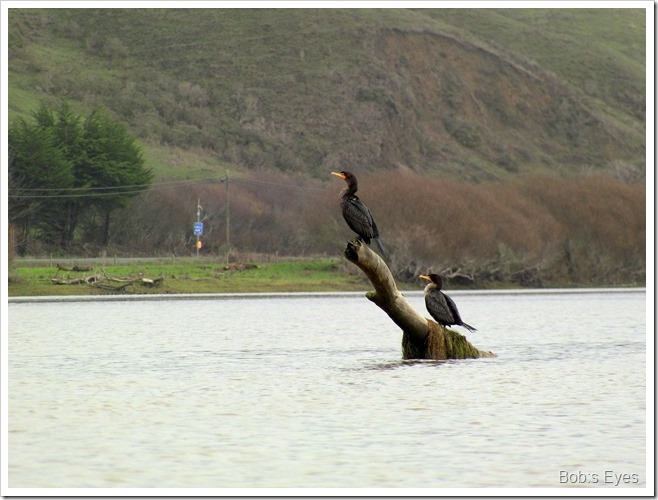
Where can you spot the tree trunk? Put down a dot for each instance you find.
(422, 338)
(106, 228)
(69, 223)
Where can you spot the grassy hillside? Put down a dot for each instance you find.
(473, 94)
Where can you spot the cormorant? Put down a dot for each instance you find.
(441, 307)
(355, 213)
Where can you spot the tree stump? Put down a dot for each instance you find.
(422, 338)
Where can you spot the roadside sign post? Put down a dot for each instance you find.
(198, 227)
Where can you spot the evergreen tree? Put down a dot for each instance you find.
(39, 173)
(112, 164)
(66, 169)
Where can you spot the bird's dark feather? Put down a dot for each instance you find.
(359, 218)
(457, 319)
(438, 307)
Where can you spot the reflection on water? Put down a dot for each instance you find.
(310, 391)
(403, 363)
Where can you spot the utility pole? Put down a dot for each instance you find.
(228, 222)
(198, 226)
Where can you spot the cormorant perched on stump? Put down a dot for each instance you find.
(441, 307)
(356, 214)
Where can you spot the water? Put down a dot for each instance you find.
(309, 391)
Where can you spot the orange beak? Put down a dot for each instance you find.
(338, 174)
(427, 278)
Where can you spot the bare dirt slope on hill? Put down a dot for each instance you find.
(484, 114)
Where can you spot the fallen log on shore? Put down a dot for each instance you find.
(103, 281)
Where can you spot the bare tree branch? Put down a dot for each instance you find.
(422, 338)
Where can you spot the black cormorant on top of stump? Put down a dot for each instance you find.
(356, 213)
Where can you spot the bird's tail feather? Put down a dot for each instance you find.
(469, 327)
(382, 252)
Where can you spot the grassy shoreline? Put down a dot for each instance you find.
(307, 276)
(207, 276)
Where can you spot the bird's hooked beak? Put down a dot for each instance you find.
(339, 174)
(427, 278)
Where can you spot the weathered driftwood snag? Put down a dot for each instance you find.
(422, 338)
(100, 280)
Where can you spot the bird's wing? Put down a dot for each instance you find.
(359, 218)
(456, 316)
(438, 308)
(453, 309)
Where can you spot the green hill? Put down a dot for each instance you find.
(473, 94)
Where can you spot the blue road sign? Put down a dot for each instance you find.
(198, 228)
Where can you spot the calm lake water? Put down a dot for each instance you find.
(309, 391)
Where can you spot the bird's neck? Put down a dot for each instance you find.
(349, 190)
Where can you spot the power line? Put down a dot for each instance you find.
(93, 192)
(127, 186)
(74, 189)
(81, 195)
(117, 190)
